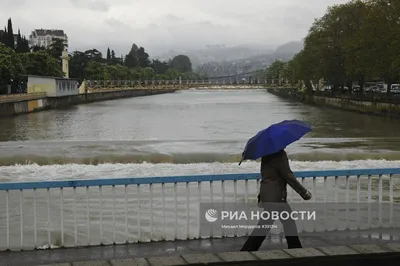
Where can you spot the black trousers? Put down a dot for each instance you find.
(259, 234)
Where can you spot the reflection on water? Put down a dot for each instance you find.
(165, 127)
(190, 115)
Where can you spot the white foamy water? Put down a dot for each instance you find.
(79, 171)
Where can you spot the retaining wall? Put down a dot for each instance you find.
(28, 106)
(373, 107)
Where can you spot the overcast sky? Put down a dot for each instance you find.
(161, 25)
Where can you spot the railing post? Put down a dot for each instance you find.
(117, 201)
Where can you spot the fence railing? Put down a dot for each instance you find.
(205, 82)
(52, 214)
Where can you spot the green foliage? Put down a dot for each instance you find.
(108, 58)
(136, 66)
(15, 62)
(143, 58)
(8, 70)
(181, 63)
(131, 59)
(275, 71)
(22, 44)
(56, 48)
(9, 41)
(351, 43)
(40, 64)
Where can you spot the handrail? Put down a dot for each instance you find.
(185, 179)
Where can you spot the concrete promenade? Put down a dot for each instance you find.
(106, 255)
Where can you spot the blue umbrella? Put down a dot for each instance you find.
(274, 138)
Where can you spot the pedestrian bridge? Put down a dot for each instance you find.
(128, 213)
(220, 83)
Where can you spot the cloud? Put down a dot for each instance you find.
(161, 25)
(97, 5)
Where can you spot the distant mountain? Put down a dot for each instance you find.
(218, 53)
(290, 48)
(241, 64)
(221, 60)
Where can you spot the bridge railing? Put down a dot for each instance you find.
(129, 210)
(205, 82)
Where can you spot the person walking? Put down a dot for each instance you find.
(276, 174)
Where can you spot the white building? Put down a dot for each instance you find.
(44, 38)
(52, 86)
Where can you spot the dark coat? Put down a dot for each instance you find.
(276, 174)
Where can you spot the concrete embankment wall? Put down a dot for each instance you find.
(34, 105)
(373, 107)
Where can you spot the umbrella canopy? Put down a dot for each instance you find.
(274, 138)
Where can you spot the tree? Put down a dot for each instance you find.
(41, 64)
(358, 57)
(383, 22)
(352, 42)
(77, 64)
(95, 71)
(275, 70)
(108, 55)
(131, 59)
(22, 44)
(172, 74)
(181, 63)
(94, 55)
(143, 57)
(302, 70)
(8, 70)
(10, 35)
(159, 67)
(323, 47)
(37, 48)
(147, 73)
(89, 64)
(117, 72)
(3, 36)
(56, 48)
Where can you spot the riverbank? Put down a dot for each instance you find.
(23, 106)
(388, 109)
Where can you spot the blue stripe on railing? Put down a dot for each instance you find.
(186, 179)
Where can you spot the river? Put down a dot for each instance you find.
(183, 133)
(187, 132)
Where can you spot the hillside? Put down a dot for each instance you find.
(218, 53)
(241, 64)
(290, 48)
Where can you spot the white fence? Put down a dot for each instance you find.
(130, 210)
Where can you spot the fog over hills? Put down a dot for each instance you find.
(218, 53)
(222, 61)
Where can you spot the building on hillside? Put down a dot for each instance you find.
(52, 86)
(44, 38)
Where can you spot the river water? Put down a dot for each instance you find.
(187, 132)
(183, 133)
